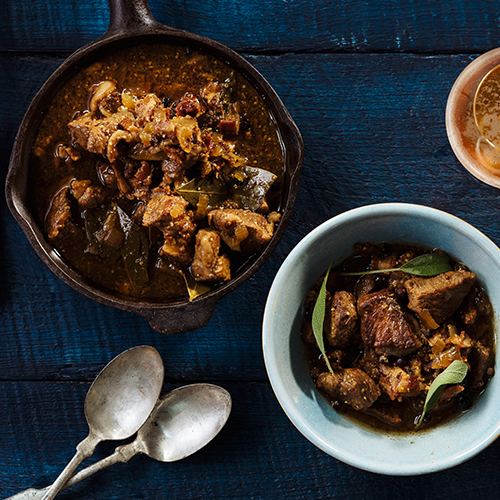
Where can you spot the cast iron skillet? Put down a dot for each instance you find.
(132, 24)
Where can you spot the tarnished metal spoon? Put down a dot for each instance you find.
(118, 403)
(487, 107)
(182, 422)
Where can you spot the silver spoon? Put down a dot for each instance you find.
(118, 403)
(182, 422)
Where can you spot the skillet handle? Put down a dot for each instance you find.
(183, 318)
(130, 16)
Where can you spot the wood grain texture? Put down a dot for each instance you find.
(258, 454)
(426, 26)
(366, 83)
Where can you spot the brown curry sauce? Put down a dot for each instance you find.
(168, 72)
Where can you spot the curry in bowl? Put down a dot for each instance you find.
(390, 328)
(157, 172)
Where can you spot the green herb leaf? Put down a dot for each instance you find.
(318, 318)
(454, 374)
(429, 264)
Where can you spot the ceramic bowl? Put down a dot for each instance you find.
(471, 149)
(393, 454)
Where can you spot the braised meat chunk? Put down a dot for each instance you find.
(163, 209)
(175, 164)
(352, 386)
(59, 214)
(168, 212)
(87, 195)
(396, 382)
(139, 176)
(342, 320)
(385, 327)
(207, 264)
(483, 358)
(439, 296)
(242, 230)
(102, 135)
(147, 109)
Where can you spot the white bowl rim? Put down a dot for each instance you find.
(273, 374)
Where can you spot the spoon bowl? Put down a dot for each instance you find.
(487, 107)
(182, 422)
(123, 395)
(117, 404)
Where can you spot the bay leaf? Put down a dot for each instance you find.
(194, 288)
(212, 187)
(135, 249)
(250, 192)
(92, 228)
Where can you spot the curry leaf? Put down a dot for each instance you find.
(429, 264)
(318, 318)
(454, 374)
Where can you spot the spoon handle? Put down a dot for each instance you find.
(121, 454)
(83, 450)
(30, 494)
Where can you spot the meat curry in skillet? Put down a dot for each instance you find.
(158, 172)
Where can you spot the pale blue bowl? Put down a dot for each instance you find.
(415, 453)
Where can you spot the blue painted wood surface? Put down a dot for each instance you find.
(366, 83)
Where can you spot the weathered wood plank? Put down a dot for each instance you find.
(371, 112)
(280, 26)
(257, 455)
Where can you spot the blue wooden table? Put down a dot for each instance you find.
(367, 84)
